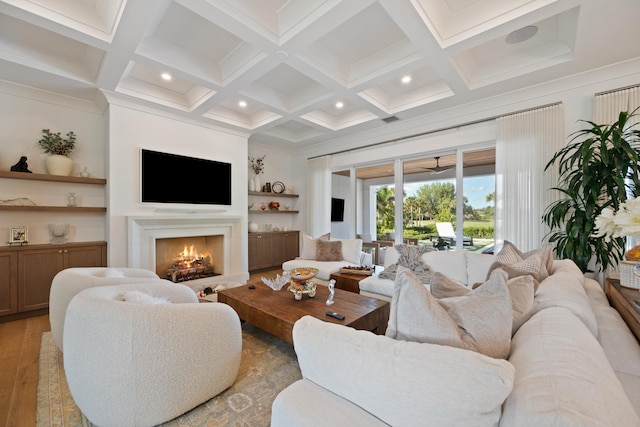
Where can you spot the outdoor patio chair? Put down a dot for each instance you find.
(445, 231)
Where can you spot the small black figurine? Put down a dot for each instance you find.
(21, 166)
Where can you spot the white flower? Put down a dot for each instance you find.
(605, 224)
(625, 222)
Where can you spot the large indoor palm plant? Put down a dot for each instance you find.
(598, 168)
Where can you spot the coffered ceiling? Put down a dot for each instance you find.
(298, 72)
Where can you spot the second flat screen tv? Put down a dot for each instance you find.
(337, 210)
(175, 179)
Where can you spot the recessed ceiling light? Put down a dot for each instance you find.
(521, 35)
(406, 79)
(242, 104)
(339, 104)
(166, 76)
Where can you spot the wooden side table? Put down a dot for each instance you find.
(348, 282)
(626, 301)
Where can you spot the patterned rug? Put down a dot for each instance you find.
(267, 366)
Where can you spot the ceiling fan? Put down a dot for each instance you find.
(438, 169)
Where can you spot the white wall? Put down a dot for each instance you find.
(24, 113)
(132, 129)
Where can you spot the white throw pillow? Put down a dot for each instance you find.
(309, 246)
(479, 321)
(403, 383)
(351, 249)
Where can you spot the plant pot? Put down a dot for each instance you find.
(59, 165)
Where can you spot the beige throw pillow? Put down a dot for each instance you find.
(309, 246)
(329, 250)
(537, 263)
(480, 321)
(521, 290)
(443, 286)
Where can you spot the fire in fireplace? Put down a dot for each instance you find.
(190, 265)
(183, 259)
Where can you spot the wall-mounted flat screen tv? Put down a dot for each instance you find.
(337, 210)
(181, 180)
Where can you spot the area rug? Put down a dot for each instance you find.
(268, 365)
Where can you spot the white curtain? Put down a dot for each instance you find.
(607, 106)
(319, 195)
(525, 142)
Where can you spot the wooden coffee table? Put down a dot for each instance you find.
(276, 311)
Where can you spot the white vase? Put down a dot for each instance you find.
(252, 186)
(257, 184)
(253, 227)
(59, 165)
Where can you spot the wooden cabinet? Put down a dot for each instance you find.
(271, 249)
(26, 280)
(8, 283)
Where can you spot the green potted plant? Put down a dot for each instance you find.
(58, 163)
(597, 169)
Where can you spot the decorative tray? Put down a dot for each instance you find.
(364, 271)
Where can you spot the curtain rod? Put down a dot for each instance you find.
(606, 92)
(474, 122)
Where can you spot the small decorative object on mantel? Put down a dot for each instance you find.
(21, 166)
(274, 206)
(18, 235)
(53, 143)
(84, 173)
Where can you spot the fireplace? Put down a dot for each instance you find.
(219, 235)
(181, 259)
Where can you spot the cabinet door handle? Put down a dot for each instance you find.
(60, 251)
(65, 251)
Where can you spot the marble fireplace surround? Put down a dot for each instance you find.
(144, 230)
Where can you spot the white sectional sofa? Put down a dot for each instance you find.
(351, 254)
(573, 362)
(463, 266)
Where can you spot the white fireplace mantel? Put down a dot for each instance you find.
(144, 230)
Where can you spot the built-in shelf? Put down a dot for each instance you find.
(53, 208)
(53, 178)
(270, 211)
(263, 193)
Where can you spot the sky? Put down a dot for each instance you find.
(475, 188)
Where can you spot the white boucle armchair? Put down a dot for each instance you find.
(67, 283)
(142, 364)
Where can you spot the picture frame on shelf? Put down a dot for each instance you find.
(19, 235)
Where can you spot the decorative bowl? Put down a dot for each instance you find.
(302, 282)
(302, 274)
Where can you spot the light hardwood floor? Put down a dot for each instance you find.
(19, 353)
